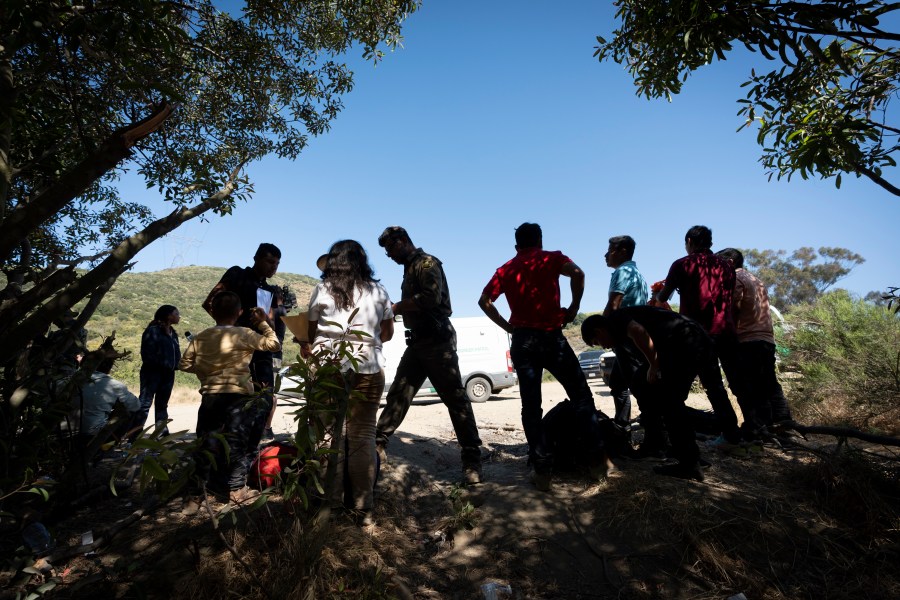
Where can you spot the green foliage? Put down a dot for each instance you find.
(246, 80)
(803, 276)
(848, 350)
(823, 112)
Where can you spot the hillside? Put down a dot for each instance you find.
(130, 304)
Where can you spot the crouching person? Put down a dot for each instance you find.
(220, 357)
(97, 400)
(676, 350)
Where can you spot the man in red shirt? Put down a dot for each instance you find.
(531, 284)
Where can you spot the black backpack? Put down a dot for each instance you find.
(568, 448)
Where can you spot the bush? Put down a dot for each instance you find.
(847, 353)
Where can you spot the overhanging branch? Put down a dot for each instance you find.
(20, 334)
(22, 221)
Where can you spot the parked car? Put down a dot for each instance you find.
(484, 360)
(590, 363)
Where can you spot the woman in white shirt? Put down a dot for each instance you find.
(348, 285)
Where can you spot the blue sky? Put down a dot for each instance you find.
(496, 113)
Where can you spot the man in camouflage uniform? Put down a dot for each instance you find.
(430, 349)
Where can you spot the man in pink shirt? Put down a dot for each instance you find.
(756, 347)
(531, 284)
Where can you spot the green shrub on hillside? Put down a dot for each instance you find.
(847, 352)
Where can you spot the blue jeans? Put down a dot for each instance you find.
(156, 385)
(532, 351)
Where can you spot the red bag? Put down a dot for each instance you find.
(270, 461)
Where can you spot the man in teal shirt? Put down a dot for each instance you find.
(626, 288)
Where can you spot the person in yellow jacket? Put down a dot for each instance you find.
(220, 357)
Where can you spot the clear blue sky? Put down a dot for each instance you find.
(496, 113)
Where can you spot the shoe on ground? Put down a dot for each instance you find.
(242, 495)
(651, 452)
(472, 474)
(541, 480)
(190, 506)
(364, 518)
(601, 470)
(681, 471)
(720, 444)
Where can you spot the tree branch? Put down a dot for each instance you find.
(22, 221)
(877, 179)
(845, 432)
(21, 333)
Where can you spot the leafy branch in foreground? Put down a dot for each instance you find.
(823, 112)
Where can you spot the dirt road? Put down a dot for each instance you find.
(427, 417)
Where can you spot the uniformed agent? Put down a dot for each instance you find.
(430, 349)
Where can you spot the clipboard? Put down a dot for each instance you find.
(298, 325)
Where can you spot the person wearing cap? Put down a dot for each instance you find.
(530, 282)
(253, 289)
(430, 349)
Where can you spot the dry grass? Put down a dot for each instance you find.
(811, 528)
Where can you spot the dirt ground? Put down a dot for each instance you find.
(752, 527)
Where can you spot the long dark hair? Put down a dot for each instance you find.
(346, 269)
(162, 314)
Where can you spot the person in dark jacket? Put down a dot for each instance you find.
(160, 354)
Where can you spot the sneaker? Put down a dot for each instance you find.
(190, 506)
(541, 480)
(365, 518)
(680, 470)
(472, 474)
(720, 444)
(242, 495)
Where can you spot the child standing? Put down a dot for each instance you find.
(220, 357)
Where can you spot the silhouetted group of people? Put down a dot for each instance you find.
(724, 319)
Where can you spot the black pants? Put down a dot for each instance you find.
(695, 356)
(632, 367)
(532, 351)
(763, 391)
(438, 362)
(238, 418)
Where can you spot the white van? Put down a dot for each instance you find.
(484, 361)
(483, 348)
